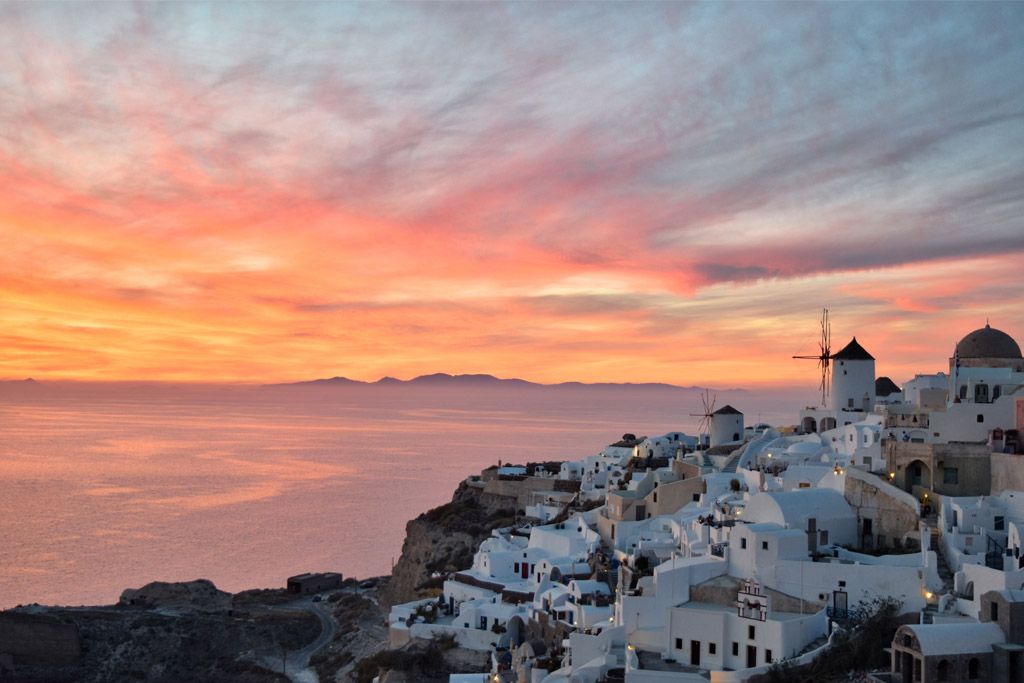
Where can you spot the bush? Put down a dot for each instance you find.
(422, 661)
(861, 649)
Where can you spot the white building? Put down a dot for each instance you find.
(853, 380)
(726, 426)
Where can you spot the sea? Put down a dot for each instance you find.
(110, 486)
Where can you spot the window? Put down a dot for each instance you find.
(743, 543)
(483, 623)
(679, 643)
(950, 475)
(735, 649)
(993, 611)
(849, 401)
(750, 632)
(764, 545)
(972, 668)
(516, 568)
(842, 584)
(767, 656)
(981, 418)
(1000, 523)
(712, 648)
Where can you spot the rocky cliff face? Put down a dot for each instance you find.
(162, 632)
(444, 540)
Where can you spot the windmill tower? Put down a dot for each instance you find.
(726, 426)
(824, 357)
(707, 400)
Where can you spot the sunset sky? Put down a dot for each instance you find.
(593, 191)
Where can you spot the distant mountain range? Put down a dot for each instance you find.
(436, 380)
(442, 379)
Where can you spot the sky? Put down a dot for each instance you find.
(254, 192)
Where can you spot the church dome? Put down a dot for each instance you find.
(988, 342)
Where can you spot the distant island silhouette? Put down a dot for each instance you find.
(478, 380)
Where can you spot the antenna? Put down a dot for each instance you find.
(707, 400)
(824, 356)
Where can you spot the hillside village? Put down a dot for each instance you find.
(751, 550)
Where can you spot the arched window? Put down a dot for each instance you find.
(972, 668)
(942, 671)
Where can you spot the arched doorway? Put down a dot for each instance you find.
(808, 425)
(918, 474)
(516, 632)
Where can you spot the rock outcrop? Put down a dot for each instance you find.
(443, 540)
(163, 632)
(197, 596)
(37, 639)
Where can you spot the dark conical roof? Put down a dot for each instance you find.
(727, 410)
(988, 342)
(853, 351)
(885, 386)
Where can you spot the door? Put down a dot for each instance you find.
(751, 656)
(524, 570)
(694, 653)
(839, 606)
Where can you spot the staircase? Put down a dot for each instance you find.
(732, 463)
(945, 573)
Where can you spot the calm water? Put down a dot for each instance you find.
(104, 488)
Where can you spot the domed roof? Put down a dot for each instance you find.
(988, 342)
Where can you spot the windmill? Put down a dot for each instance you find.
(708, 403)
(824, 356)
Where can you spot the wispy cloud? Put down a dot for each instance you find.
(568, 191)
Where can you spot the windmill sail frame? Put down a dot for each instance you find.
(824, 357)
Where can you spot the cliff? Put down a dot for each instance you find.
(443, 540)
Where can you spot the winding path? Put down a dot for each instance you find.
(297, 662)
